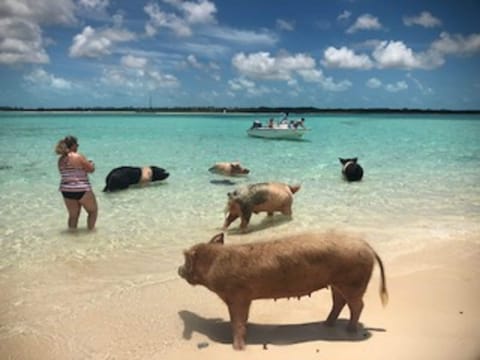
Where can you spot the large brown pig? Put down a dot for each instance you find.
(293, 266)
(254, 198)
(229, 169)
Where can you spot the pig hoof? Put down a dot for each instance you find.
(330, 323)
(352, 329)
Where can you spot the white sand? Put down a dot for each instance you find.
(433, 313)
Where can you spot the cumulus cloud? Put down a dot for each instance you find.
(373, 83)
(97, 43)
(187, 13)
(21, 36)
(41, 78)
(21, 42)
(457, 44)
(365, 22)
(264, 66)
(425, 19)
(247, 86)
(345, 58)
(395, 54)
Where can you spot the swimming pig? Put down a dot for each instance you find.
(122, 177)
(229, 169)
(254, 198)
(351, 170)
(292, 266)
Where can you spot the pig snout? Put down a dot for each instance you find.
(181, 271)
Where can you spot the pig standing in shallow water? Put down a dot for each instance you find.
(290, 267)
(255, 198)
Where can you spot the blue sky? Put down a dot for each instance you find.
(237, 53)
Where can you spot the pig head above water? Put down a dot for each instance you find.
(262, 197)
(292, 266)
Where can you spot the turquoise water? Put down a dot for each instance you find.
(421, 172)
(114, 292)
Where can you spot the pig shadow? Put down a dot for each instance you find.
(266, 223)
(219, 330)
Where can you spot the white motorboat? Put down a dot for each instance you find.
(277, 131)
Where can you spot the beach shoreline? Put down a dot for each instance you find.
(432, 314)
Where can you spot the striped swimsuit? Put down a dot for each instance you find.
(74, 181)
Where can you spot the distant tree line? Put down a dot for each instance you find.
(260, 109)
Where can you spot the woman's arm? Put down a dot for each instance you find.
(87, 165)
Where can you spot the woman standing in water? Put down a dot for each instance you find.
(74, 184)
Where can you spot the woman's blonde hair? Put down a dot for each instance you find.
(65, 144)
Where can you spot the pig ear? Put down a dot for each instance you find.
(217, 239)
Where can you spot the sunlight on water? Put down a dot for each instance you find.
(420, 185)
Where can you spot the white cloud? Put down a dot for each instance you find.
(21, 42)
(345, 15)
(285, 25)
(425, 19)
(199, 12)
(457, 44)
(345, 58)
(21, 37)
(365, 22)
(41, 78)
(395, 54)
(285, 67)
(188, 13)
(242, 84)
(327, 83)
(396, 87)
(41, 12)
(262, 65)
(373, 83)
(131, 81)
(193, 62)
(160, 19)
(97, 43)
(135, 62)
(242, 36)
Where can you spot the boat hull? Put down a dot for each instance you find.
(268, 133)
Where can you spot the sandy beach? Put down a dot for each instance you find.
(432, 314)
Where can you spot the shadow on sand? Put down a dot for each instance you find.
(218, 330)
(265, 223)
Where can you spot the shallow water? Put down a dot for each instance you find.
(421, 185)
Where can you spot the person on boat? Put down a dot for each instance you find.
(74, 184)
(271, 124)
(256, 124)
(300, 123)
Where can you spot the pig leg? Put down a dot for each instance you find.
(238, 311)
(228, 220)
(338, 304)
(287, 208)
(356, 307)
(245, 220)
